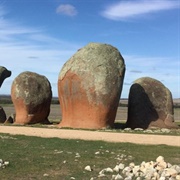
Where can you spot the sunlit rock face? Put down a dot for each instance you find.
(31, 95)
(150, 105)
(89, 87)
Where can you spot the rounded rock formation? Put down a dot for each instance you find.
(4, 73)
(150, 104)
(31, 95)
(89, 87)
(2, 115)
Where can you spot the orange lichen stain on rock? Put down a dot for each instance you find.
(21, 114)
(23, 111)
(77, 111)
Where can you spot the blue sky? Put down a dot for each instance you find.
(41, 35)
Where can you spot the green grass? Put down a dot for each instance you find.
(32, 157)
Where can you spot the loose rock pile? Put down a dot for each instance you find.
(158, 170)
(146, 131)
(3, 164)
(153, 131)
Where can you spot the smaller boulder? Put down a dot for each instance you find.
(31, 95)
(4, 73)
(150, 104)
(2, 115)
(10, 119)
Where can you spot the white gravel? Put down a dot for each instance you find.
(153, 170)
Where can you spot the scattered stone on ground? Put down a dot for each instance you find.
(153, 170)
(7, 137)
(88, 168)
(148, 131)
(3, 164)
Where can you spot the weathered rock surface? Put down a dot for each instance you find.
(10, 119)
(89, 87)
(2, 115)
(150, 105)
(4, 73)
(31, 95)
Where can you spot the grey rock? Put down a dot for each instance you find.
(31, 95)
(117, 177)
(127, 129)
(121, 166)
(116, 168)
(138, 129)
(90, 83)
(128, 178)
(150, 104)
(88, 168)
(3, 164)
(148, 131)
(4, 73)
(165, 130)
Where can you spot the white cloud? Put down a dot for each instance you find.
(25, 48)
(48, 62)
(166, 70)
(135, 71)
(124, 10)
(66, 9)
(9, 29)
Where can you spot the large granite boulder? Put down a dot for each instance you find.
(2, 115)
(89, 87)
(31, 95)
(150, 105)
(4, 73)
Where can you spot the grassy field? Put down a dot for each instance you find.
(42, 158)
(53, 158)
